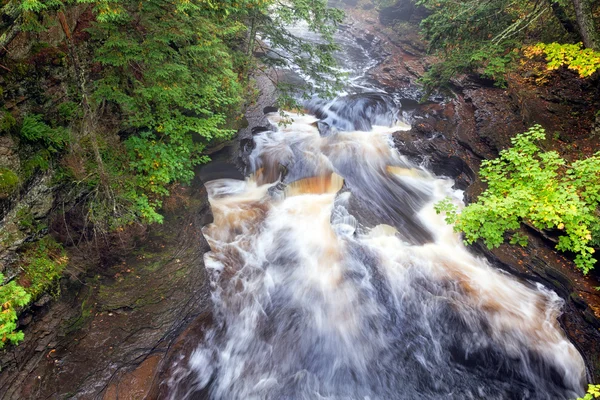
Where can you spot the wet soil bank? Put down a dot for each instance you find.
(452, 133)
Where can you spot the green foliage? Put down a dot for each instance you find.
(176, 73)
(593, 392)
(526, 184)
(447, 207)
(34, 129)
(9, 181)
(584, 61)
(39, 160)
(12, 296)
(68, 111)
(484, 36)
(46, 143)
(43, 263)
(32, 9)
(315, 61)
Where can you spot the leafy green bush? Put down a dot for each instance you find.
(526, 184)
(8, 182)
(593, 392)
(43, 263)
(34, 129)
(68, 111)
(584, 61)
(11, 297)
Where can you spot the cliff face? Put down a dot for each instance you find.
(35, 79)
(116, 317)
(122, 297)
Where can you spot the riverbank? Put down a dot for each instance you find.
(475, 122)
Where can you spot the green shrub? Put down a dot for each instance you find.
(68, 111)
(9, 181)
(39, 160)
(34, 129)
(43, 263)
(526, 184)
(593, 392)
(27, 222)
(584, 61)
(11, 297)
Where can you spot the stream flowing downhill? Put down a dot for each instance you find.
(313, 300)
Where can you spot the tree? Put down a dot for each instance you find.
(486, 36)
(285, 49)
(176, 72)
(587, 25)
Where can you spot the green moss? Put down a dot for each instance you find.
(22, 70)
(79, 321)
(7, 121)
(39, 46)
(27, 223)
(9, 181)
(38, 161)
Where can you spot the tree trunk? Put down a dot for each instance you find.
(563, 18)
(587, 26)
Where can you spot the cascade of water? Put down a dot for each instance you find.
(333, 277)
(315, 300)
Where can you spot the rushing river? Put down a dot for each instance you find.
(333, 278)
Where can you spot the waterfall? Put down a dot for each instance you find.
(333, 278)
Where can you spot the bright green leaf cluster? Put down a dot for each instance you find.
(12, 296)
(593, 392)
(584, 61)
(43, 263)
(526, 184)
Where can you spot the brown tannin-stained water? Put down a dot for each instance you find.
(311, 304)
(333, 278)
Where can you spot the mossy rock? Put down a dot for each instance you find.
(7, 121)
(9, 181)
